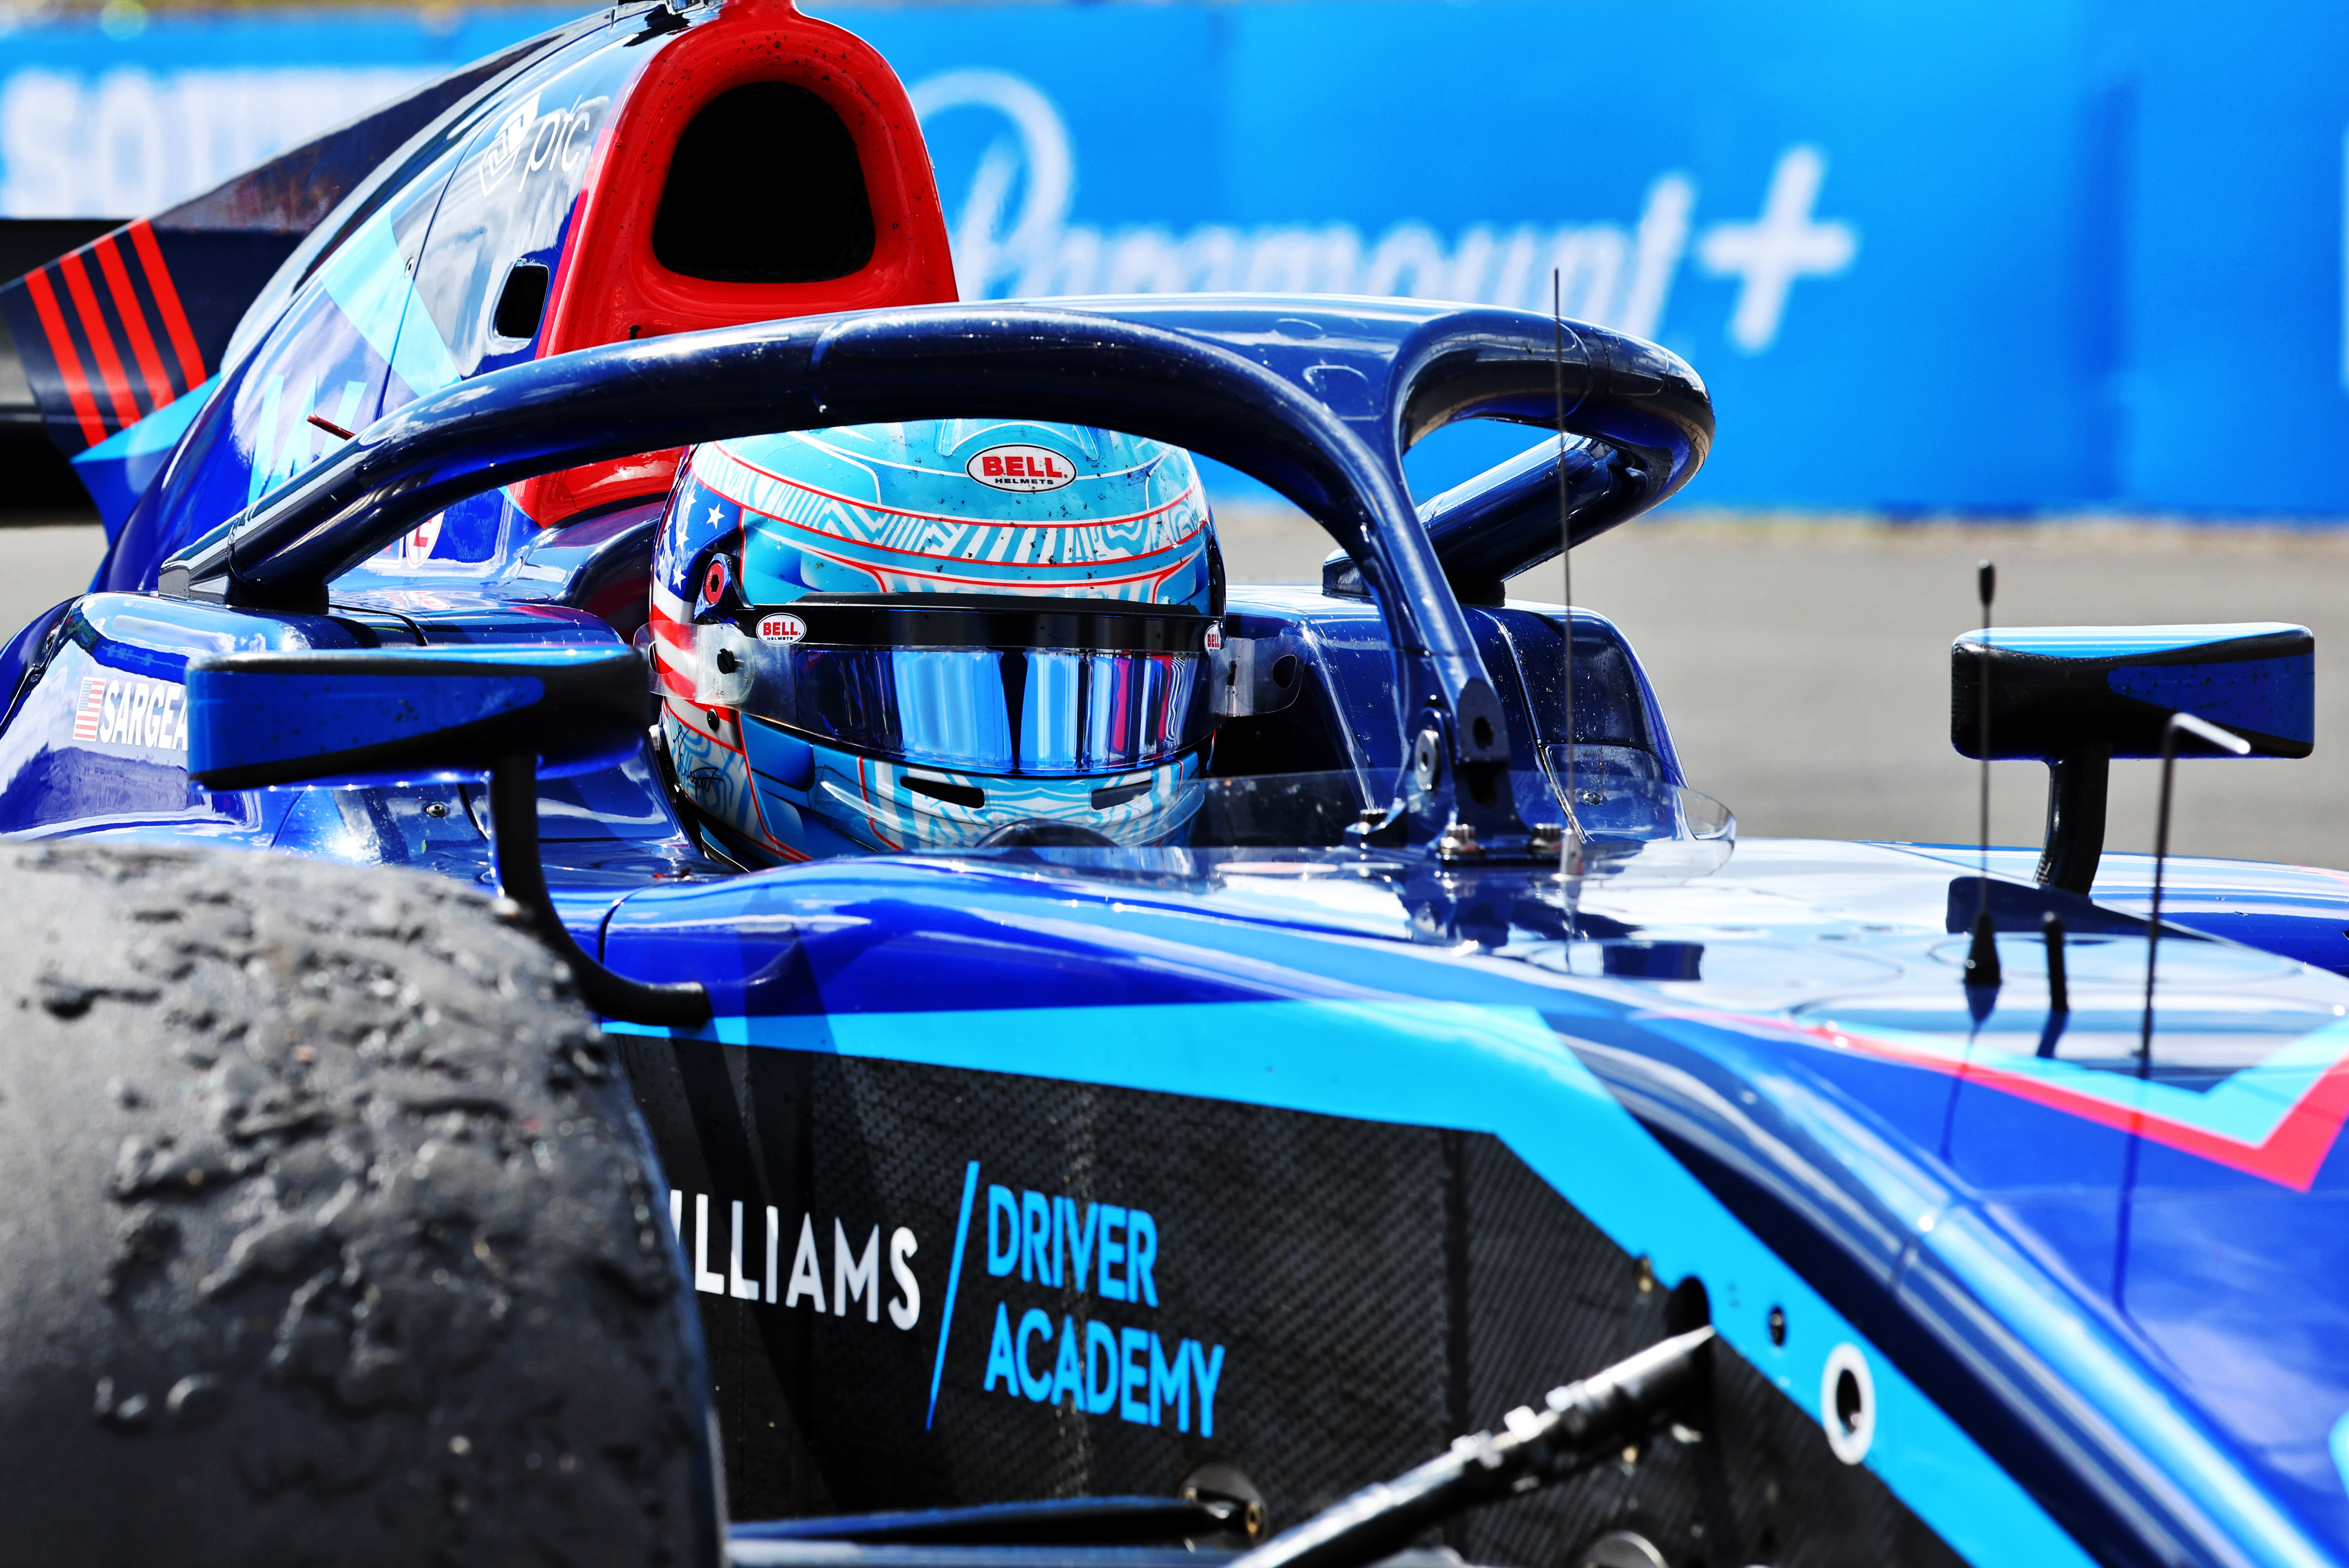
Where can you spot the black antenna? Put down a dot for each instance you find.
(2059, 989)
(2209, 733)
(1570, 862)
(1981, 957)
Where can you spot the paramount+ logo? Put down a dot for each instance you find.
(1021, 468)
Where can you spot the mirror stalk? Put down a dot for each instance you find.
(2077, 785)
(513, 845)
(263, 719)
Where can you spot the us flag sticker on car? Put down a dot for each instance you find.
(93, 704)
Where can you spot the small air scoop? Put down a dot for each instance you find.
(2075, 697)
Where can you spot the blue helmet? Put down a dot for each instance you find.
(918, 636)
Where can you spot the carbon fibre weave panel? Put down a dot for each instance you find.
(1373, 1290)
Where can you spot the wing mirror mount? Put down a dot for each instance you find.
(2077, 696)
(427, 714)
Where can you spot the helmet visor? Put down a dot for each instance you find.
(975, 683)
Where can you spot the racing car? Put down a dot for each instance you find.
(823, 988)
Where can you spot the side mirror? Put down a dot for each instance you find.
(2075, 697)
(414, 715)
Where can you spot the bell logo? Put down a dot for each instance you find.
(781, 628)
(1023, 468)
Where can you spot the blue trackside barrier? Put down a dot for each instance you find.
(2037, 255)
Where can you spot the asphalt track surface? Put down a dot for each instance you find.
(40, 565)
(1804, 664)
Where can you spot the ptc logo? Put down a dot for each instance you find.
(1022, 468)
(507, 147)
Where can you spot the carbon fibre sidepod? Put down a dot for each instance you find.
(918, 1272)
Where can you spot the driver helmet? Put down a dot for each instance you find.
(917, 636)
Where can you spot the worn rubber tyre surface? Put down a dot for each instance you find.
(329, 1232)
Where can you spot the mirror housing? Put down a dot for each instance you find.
(414, 714)
(410, 715)
(2075, 697)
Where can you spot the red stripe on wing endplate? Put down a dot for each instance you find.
(167, 302)
(159, 389)
(61, 349)
(102, 342)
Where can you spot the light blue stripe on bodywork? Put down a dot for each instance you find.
(2119, 641)
(553, 656)
(368, 281)
(157, 433)
(954, 1279)
(118, 470)
(1501, 1070)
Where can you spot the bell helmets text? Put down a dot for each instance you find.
(1022, 468)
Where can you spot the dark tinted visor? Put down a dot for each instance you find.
(973, 683)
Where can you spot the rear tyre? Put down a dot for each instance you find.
(330, 1231)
